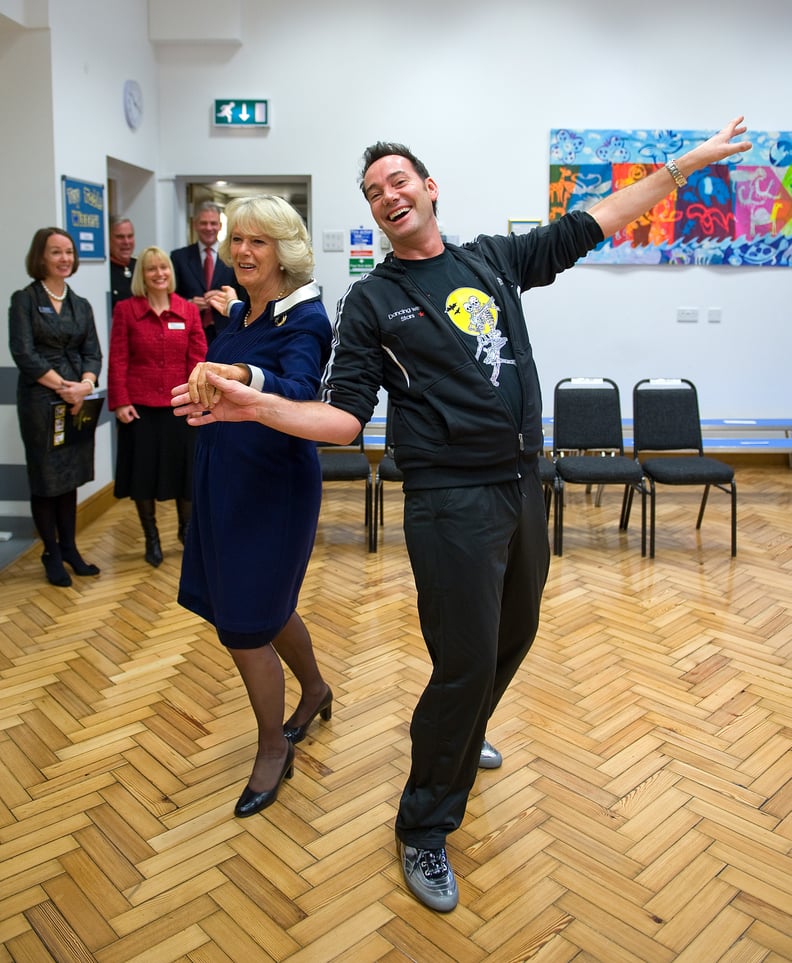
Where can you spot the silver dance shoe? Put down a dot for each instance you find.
(490, 758)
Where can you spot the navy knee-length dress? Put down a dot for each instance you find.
(257, 491)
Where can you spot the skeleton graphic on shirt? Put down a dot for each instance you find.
(475, 313)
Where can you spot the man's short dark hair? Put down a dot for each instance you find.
(387, 148)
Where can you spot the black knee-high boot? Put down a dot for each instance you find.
(44, 518)
(184, 511)
(148, 520)
(66, 517)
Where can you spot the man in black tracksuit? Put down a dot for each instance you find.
(442, 329)
(446, 337)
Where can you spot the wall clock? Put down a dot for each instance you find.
(133, 104)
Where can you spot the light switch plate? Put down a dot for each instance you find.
(332, 240)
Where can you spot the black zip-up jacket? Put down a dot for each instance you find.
(451, 427)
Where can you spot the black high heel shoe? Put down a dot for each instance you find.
(72, 557)
(250, 803)
(325, 709)
(56, 573)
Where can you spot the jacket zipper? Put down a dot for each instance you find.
(430, 308)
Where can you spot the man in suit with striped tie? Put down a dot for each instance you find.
(199, 269)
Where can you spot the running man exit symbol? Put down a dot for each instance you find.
(241, 113)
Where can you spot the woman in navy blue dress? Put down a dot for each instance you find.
(257, 491)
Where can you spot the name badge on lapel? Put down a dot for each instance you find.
(46, 309)
(176, 325)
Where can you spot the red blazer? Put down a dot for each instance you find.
(149, 355)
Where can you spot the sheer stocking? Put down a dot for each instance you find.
(262, 674)
(293, 644)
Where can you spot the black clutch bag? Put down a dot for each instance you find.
(68, 429)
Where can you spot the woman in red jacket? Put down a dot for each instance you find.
(155, 342)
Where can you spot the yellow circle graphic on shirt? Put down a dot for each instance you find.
(472, 311)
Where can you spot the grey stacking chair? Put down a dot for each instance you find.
(387, 471)
(666, 419)
(350, 463)
(589, 446)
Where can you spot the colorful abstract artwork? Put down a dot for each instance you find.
(735, 213)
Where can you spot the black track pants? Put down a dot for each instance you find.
(480, 557)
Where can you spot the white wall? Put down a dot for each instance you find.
(25, 173)
(95, 47)
(27, 165)
(473, 87)
(62, 80)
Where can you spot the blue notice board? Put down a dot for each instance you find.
(83, 217)
(361, 237)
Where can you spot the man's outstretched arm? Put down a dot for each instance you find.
(233, 401)
(622, 207)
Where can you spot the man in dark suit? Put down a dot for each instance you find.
(194, 277)
(122, 264)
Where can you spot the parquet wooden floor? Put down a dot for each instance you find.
(643, 811)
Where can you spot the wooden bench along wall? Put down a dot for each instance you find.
(720, 436)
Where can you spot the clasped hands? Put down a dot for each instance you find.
(216, 392)
(200, 391)
(218, 298)
(74, 393)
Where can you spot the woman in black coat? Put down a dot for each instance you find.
(54, 344)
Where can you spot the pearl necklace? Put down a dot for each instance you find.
(246, 322)
(57, 297)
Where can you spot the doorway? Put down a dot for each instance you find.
(296, 189)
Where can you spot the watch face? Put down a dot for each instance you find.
(133, 104)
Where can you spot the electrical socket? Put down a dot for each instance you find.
(714, 315)
(687, 314)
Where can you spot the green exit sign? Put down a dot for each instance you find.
(241, 113)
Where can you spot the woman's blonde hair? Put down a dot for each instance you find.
(138, 285)
(271, 215)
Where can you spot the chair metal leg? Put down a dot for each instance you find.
(703, 506)
(558, 526)
(373, 533)
(652, 519)
(733, 518)
(643, 522)
(369, 513)
(624, 518)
